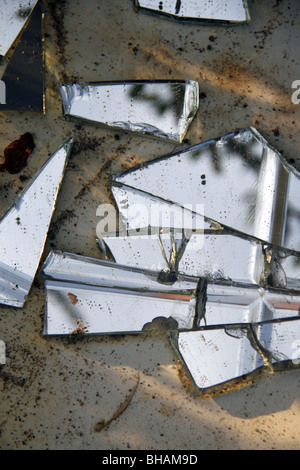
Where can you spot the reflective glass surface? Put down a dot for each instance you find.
(23, 229)
(160, 109)
(222, 10)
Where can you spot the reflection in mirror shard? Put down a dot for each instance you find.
(14, 14)
(212, 256)
(24, 74)
(157, 108)
(120, 300)
(222, 331)
(228, 305)
(218, 355)
(233, 10)
(138, 209)
(205, 248)
(213, 356)
(23, 229)
(79, 287)
(101, 310)
(74, 268)
(241, 181)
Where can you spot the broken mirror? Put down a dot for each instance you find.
(182, 241)
(162, 109)
(215, 356)
(23, 229)
(23, 78)
(14, 15)
(242, 326)
(106, 298)
(240, 181)
(211, 286)
(222, 10)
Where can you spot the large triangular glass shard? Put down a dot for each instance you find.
(219, 355)
(14, 15)
(84, 270)
(229, 11)
(23, 229)
(161, 109)
(23, 77)
(242, 182)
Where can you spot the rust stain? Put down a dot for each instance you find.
(16, 154)
(73, 298)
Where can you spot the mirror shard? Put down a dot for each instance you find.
(23, 78)
(223, 332)
(156, 108)
(23, 229)
(233, 11)
(108, 299)
(243, 183)
(207, 250)
(14, 15)
(215, 356)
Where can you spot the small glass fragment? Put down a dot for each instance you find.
(17, 153)
(157, 108)
(249, 187)
(14, 15)
(24, 74)
(2, 353)
(222, 10)
(23, 229)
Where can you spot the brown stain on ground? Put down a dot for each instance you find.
(17, 153)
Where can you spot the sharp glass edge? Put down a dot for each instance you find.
(14, 17)
(263, 202)
(161, 109)
(178, 10)
(24, 227)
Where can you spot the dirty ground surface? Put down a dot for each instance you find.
(127, 392)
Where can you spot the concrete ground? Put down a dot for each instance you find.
(127, 392)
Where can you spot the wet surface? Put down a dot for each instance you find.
(87, 393)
